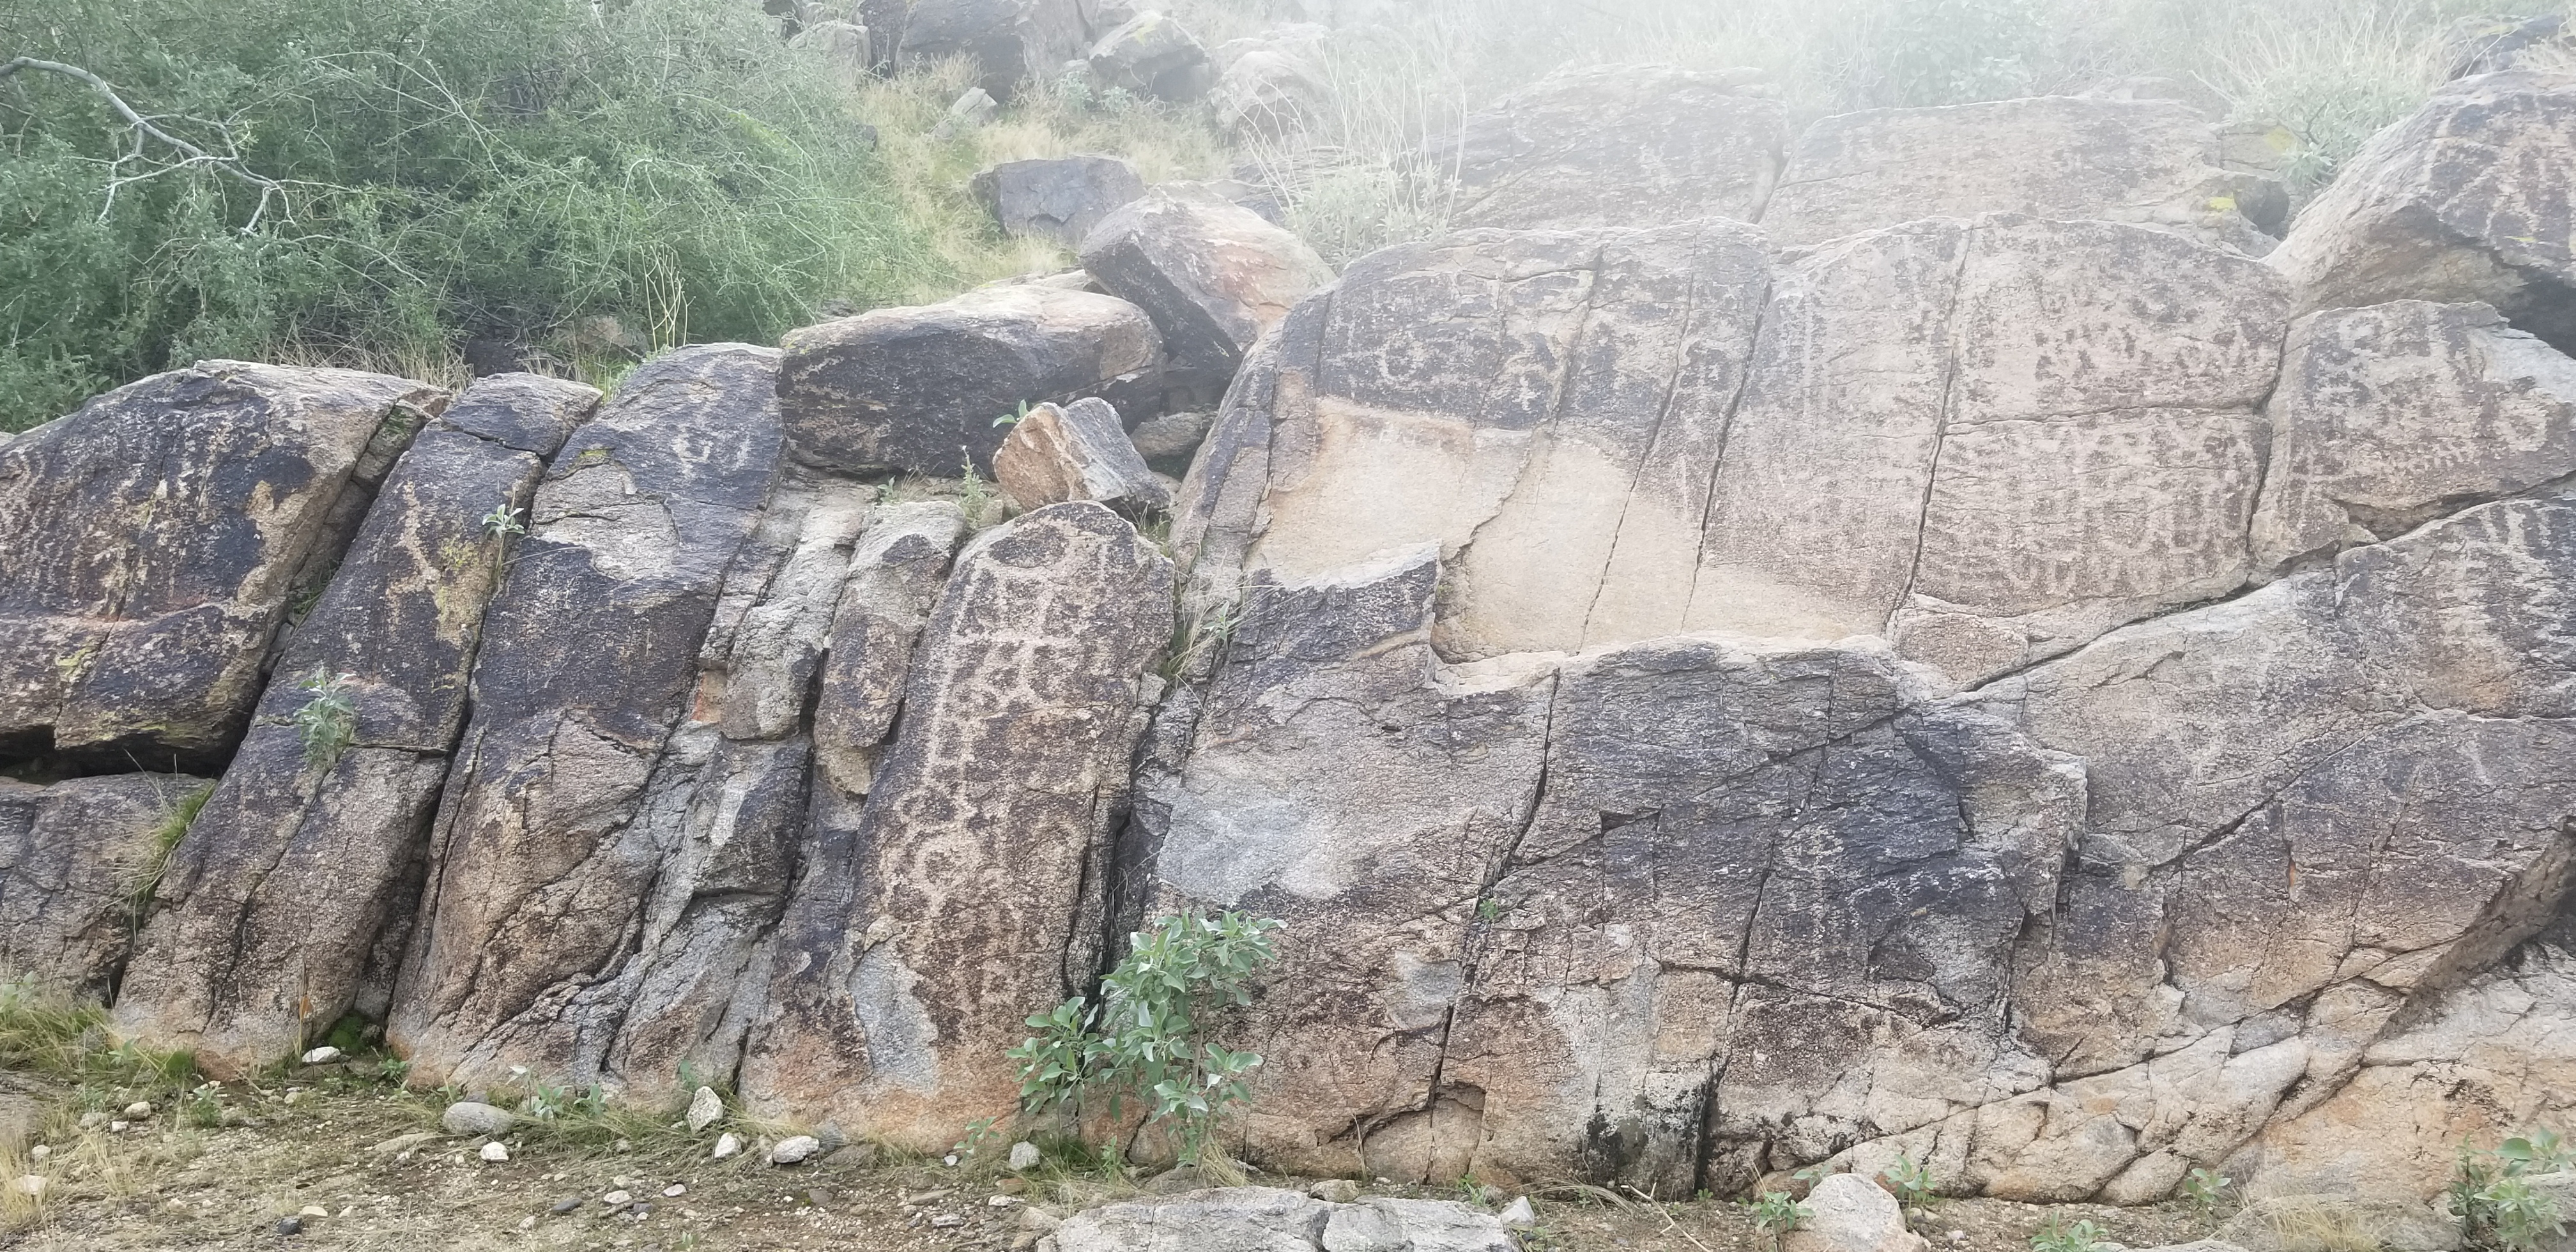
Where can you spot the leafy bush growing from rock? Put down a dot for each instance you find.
(328, 720)
(2493, 1197)
(1139, 1045)
(1776, 1213)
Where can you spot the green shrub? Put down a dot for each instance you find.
(443, 169)
(1776, 1213)
(1141, 1042)
(2493, 1197)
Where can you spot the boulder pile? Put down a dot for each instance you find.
(1747, 654)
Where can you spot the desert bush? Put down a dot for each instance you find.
(390, 177)
(1141, 1045)
(2493, 1197)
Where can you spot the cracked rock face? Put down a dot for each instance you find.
(2465, 201)
(151, 543)
(1616, 146)
(289, 896)
(72, 858)
(968, 891)
(1267, 1219)
(1213, 274)
(2155, 162)
(547, 834)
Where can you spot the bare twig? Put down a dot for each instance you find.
(191, 156)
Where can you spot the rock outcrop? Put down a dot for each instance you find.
(918, 389)
(285, 906)
(969, 891)
(152, 543)
(545, 841)
(2464, 201)
(2043, 694)
(1151, 55)
(1008, 41)
(1617, 146)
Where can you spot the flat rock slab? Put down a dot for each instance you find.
(2157, 162)
(919, 389)
(151, 543)
(1622, 145)
(2467, 200)
(1058, 198)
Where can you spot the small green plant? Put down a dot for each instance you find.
(2059, 1235)
(981, 1133)
(1014, 419)
(2206, 1188)
(1490, 909)
(504, 521)
(2493, 1197)
(551, 1103)
(1911, 1181)
(175, 820)
(974, 496)
(1776, 1213)
(203, 1109)
(1141, 1041)
(328, 722)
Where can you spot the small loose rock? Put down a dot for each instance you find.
(138, 1110)
(727, 1144)
(794, 1149)
(494, 1152)
(323, 1055)
(705, 1109)
(1025, 1155)
(468, 1118)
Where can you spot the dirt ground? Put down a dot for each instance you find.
(360, 1164)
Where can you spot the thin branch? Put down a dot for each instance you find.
(191, 154)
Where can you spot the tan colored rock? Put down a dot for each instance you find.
(151, 543)
(1531, 402)
(2057, 435)
(917, 389)
(1619, 145)
(1213, 274)
(2460, 202)
(969, 892)
(72, 857)
(2390, 415)
(2154, 162)
(1057, 454)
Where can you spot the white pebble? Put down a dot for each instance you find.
(615, 1197)
(727, 1144)
(138, 1110)
(675, 1190)
(323, 1055)
(493, 1151)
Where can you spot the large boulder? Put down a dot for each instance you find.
(272, 917)
(544, 847)
(1077, 452)
(1153, 56)
(1620, 145)
(919, 389)
(77, 860)
(968, 893)
(1058, 198)
(2388, 416)
(2158, 162)
(1007, 41)
(1213, 274)
(2467, 200)
(152, 542)
(1269, 90)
